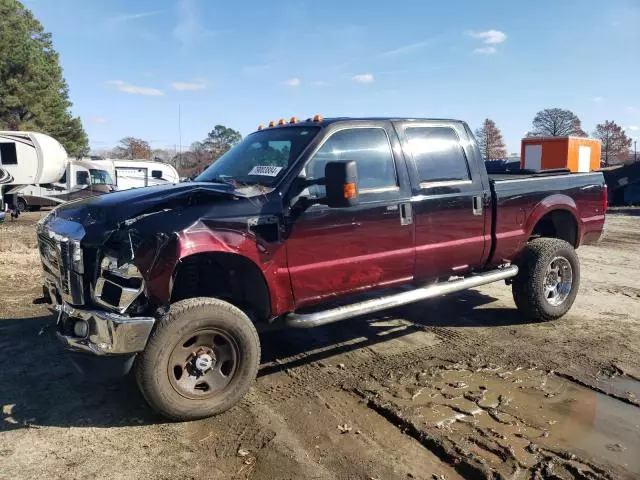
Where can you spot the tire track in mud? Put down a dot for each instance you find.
(469, 446)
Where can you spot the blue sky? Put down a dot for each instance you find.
(130, 64)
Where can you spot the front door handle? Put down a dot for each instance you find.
(477, 202)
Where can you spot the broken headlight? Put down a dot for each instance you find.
(118, 284)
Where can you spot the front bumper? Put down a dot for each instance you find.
(106, 334)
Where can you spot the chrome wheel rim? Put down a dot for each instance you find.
(203, 363)
(558, 281)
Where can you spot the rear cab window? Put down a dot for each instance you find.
(438, 155)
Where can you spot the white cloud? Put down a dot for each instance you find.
(489, 36)
(189, 86)
(319, 83)
(189, 30)
(485, 50)
(292, 82)
(135, 16)
(363, 78)
(97, 120)
(405, 48)
(135, 89)
(597, 99)
(633, 128)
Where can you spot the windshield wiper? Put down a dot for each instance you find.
(223, 181)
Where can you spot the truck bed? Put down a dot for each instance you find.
(518, 204)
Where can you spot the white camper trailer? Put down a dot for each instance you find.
(81, 179)
(139, 173)
(28, 158)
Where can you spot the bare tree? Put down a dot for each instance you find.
(615, 143)
(490, 141)
(556, 122)
(131, 147)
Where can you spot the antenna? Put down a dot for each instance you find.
(180, 130)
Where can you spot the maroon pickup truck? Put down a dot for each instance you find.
(171, 280)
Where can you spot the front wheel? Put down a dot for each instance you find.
(548, 280)
(200, 359)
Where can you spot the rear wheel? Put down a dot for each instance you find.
(21, 205)
(548, 279)
(200, 360)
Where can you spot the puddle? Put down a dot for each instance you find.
(622, 386)
(515, 419)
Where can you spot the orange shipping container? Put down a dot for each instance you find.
(578, 154)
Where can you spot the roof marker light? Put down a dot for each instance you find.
(260, 127)
(281, 121)
(272, 123)
(293, 120)
(317, 117)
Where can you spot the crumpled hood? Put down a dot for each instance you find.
(111, 209)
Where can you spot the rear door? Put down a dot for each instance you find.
(451, 222)
(333, 251)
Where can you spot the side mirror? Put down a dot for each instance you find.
(341, 181)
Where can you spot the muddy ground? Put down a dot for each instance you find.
(459, 387)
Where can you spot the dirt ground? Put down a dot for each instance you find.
(458, 387)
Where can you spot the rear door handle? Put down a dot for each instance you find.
(477, 204)
(406, 215)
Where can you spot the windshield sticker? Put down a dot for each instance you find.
(265, 170)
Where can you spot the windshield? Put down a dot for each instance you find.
(261, 158)
(100, 177)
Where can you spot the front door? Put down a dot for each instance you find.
(449, 205)
(333, 251)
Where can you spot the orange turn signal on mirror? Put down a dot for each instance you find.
(349, 190)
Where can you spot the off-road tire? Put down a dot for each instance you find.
(183, 317)
(528, 285)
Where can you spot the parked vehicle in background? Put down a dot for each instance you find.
(174, 278)
(28, 158)
(139, 173)
(81, 179)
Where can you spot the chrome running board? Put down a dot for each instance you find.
(324, 317)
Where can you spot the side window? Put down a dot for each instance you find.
(437, 153)
(8, 155)
(370, 149)
(82, 177)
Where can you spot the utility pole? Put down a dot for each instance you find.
(635, 152)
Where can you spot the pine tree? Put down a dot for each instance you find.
(490, 141)
(33, 92)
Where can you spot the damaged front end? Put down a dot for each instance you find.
(108, 274)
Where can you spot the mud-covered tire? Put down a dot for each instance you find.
(531, 284)
(191, 317)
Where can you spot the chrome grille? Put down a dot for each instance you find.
(56, 257)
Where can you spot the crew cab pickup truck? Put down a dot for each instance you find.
(172, 280)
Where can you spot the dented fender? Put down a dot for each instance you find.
(158, 261)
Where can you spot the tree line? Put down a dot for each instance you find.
(194, 160)
(556, 122)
